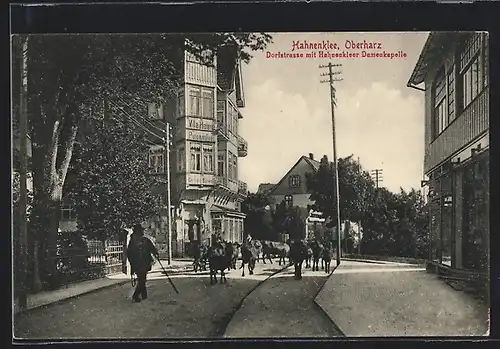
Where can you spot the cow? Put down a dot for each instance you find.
(217, 261)
(249, 254)
(317, 250)
(258, 248)
(327, 255)
(279, 249)
(298, 253)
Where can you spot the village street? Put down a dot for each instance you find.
(200, 310)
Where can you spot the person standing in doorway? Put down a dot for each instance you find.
(140, 254)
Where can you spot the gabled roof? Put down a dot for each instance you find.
(436, 44)
(227, 61)
(240, 95)
(265, 187)
(313, 163)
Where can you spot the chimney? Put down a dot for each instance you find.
(311, 156)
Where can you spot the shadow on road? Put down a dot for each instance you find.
(200, 310)
(283, 307)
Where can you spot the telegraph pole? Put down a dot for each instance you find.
(331, 80)
(169, 208)
(23, 170)
(377, 176)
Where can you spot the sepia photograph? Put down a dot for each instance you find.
(250, 185)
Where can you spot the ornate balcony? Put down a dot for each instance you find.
(222, 130)
(227, 183)
(242, 147)
(242, 188)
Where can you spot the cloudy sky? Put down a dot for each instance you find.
(378, 118)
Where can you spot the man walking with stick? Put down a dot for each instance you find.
(140, 254)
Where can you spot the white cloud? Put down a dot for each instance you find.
(375, 123)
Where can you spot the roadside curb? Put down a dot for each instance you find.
(364, 260)
(17, 310)
(335, 326)
(116, 282)
(240, 304)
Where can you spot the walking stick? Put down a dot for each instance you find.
(169, 279)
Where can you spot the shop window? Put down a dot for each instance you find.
(475, 250)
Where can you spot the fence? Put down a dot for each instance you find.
(88, 259)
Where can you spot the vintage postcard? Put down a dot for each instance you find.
(250, 185)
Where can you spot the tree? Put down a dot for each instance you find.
(69, 75)
(258, 222)
(113, 185)
(355, 188)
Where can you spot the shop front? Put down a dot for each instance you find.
(227, 224)
(459, 215)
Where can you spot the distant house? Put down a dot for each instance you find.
(265, 188)
(292, 189)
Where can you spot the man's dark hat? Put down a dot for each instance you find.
(138, 228)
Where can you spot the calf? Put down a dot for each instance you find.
(298, 253)
(217, 261)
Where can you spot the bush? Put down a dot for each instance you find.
(73, 259)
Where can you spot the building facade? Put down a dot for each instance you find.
(454, 68)
(206, 192)
(292, 189)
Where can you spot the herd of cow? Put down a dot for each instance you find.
(223, 255)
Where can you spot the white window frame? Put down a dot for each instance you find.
(199, 152)
(195, 157)
(208, 154)
(197, 105)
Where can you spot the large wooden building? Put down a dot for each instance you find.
(454, 69)
(206, 190)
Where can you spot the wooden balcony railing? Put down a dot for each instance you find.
(470, 124)
(230, 184)
(223, 129)
(242, 188)
(242, 147)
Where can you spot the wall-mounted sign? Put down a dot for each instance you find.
(200, 124)
(200, 136)
(198, 179)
